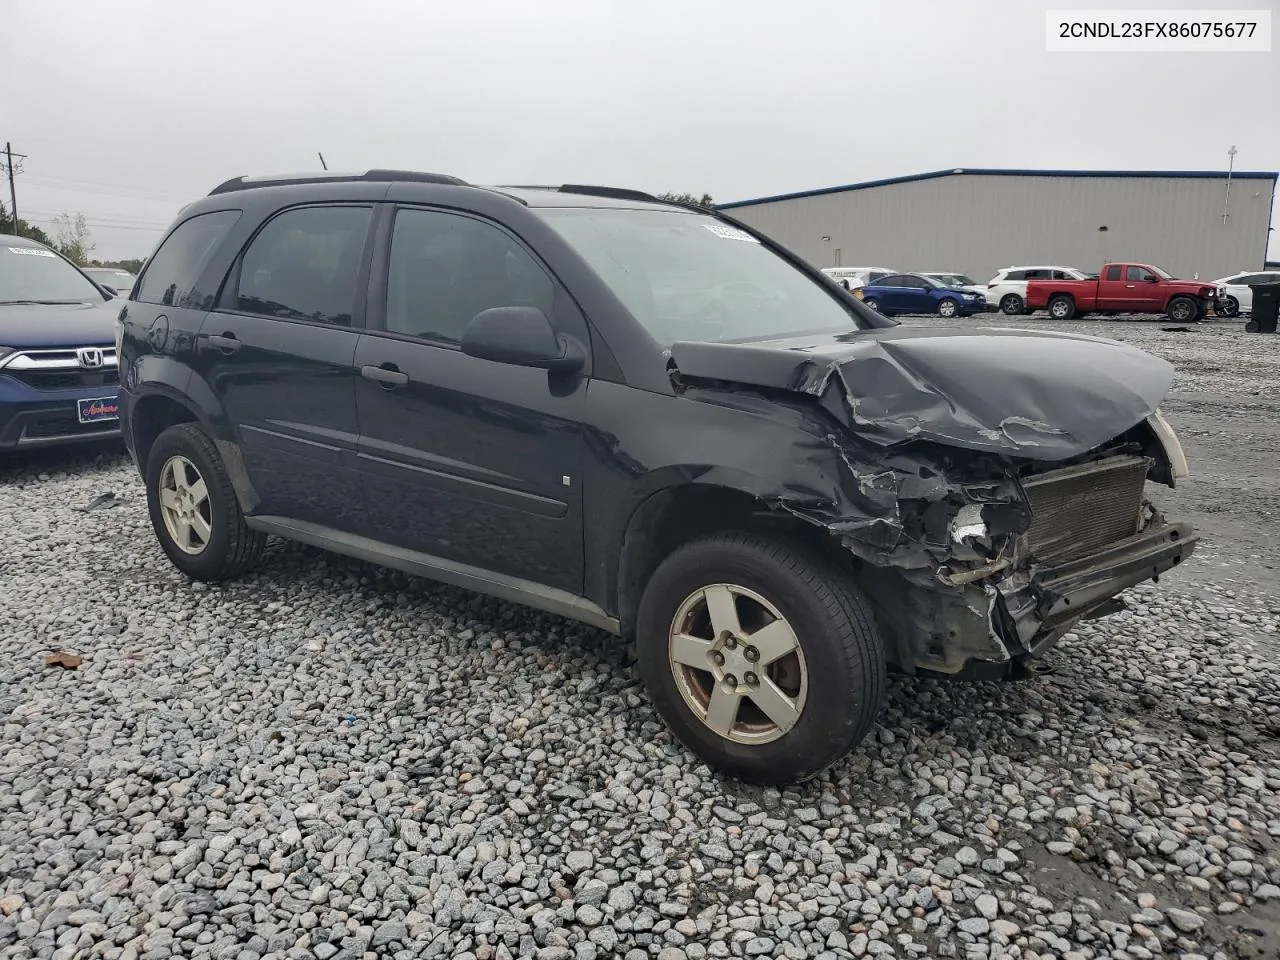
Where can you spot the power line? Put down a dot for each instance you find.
(137, 193)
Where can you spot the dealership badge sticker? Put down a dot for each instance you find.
(1158, 31)
(96, 411)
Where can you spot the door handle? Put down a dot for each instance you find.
(1131, 286)
(387, 375)
(227, 342)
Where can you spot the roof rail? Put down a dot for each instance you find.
(612, 193)
(376, 176)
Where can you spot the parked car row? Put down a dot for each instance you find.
(1065, 292)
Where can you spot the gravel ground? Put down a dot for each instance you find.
(331, 760)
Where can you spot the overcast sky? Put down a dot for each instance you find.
(129, 109)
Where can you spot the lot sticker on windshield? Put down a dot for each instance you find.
(32, 252)
(726, 232)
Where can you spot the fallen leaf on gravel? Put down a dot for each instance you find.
(62, 658)
(102, 500)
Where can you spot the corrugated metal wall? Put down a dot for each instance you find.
(977, 224)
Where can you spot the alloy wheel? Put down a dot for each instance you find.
(738, 664)
(184, 505)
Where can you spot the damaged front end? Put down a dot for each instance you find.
(986, 518)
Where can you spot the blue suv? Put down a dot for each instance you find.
(58, 375)
(913, 293)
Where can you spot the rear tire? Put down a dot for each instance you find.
(833, 676)
(202, 531)
(1012, 305)
(872, 303)
(1062, 308)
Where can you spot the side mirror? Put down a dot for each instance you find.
(522, 336)
(1153, 279)
(111, 290)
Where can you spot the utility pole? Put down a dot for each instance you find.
(13, 196)
(1231, 163)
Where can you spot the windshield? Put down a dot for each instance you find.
(687, 276)
(1163, 273)
(952, 279)
(34, 274)
(118, 279)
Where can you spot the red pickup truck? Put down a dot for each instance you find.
(1123, 288)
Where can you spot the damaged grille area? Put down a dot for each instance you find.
(1080, 510)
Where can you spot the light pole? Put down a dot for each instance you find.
(825, 240)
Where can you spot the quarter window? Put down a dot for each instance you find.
(1113, 273)
(170, 276)
(305, 264)
(446, 268)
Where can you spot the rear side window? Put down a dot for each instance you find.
(1113, 273)
(171, 274)
(1036, 274)
(1062, 275)
(1016, 275)
(305, 265)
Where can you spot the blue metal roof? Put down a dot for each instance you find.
(975, 171)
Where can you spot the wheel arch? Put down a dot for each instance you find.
(680, 512)
(156, 404)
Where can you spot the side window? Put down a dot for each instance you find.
(1113, 273)
(1015, 275)
(1249, 279)
(1062, 275)
(304, 265)
(445, 268)
(1038, 274)
(892, 281)
(1137, 273)
(173, 270)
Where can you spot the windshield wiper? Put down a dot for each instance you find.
(50, 303)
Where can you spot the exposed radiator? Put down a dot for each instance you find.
(1080, 510)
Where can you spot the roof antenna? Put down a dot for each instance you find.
(322, 163)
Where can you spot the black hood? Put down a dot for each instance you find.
(52, 325)
(1041, 395)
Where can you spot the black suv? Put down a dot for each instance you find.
(647, 417)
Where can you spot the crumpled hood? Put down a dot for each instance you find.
(1035, 394)
(51, 325)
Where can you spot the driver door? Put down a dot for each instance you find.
(462, 458)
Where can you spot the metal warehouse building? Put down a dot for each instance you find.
(977, 221)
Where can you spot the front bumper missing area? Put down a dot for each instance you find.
(1039, 607)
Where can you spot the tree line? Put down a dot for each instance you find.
(71, 239)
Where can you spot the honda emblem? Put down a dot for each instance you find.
(90, 357)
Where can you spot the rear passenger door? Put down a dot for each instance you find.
(466, 459)
(278, 354)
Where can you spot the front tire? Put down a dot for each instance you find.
(1062, 308)
(194, 510)
(1182, 310)
(948, 308)
(1230, 307)
(762, 658)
